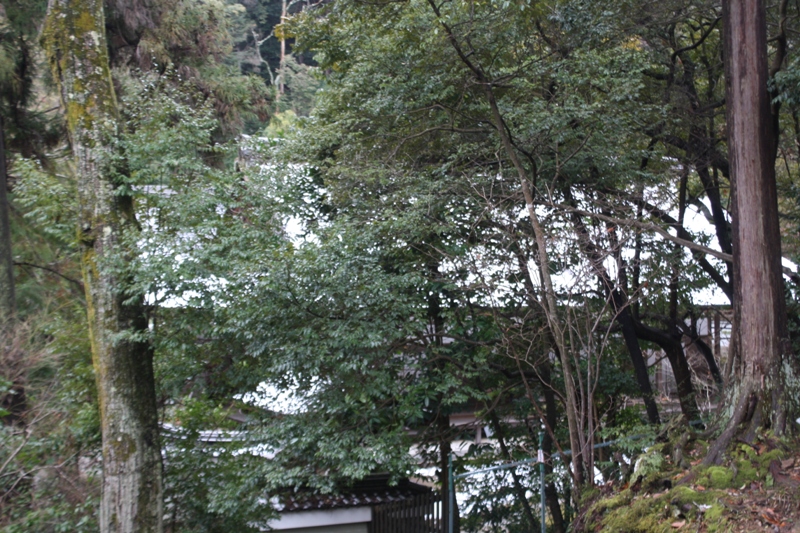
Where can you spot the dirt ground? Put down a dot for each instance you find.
(759, 508)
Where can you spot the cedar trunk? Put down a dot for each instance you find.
(758, 395)
(74, 40)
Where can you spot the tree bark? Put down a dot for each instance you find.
(551, 412)
(15, 401)
(758, 396)
(671, 343)
(74, 40)
(8, 306)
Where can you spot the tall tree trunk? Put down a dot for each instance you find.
(551, 409)
(74, 39)
(758, 395)
(551, 413)
(14, 401)
(673, 348)
(8, 305)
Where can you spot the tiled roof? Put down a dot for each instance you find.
(374, 490)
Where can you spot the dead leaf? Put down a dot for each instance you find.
(780, 479)
(771, 517)
(679, 524)
(700, 488)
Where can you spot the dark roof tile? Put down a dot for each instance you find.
(374, 490)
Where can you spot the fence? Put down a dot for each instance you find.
(420, 514)
(537, 460)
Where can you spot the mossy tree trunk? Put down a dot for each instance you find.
(74, 40)
(761, 392)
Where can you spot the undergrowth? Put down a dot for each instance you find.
(670, 490)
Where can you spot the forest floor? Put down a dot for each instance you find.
(756, 488)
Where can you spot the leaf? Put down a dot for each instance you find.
(770, 517)
(679, 524)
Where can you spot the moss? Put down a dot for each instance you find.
(606, 504)
(588, 496)
(716, 477)
(768, 457)
(627, 512)
(86, 21)
(713, 519)
(748, 451)
(645, 515)
(683, 495)
(123, 447)
(746, 473)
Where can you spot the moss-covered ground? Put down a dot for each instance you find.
(756, 488)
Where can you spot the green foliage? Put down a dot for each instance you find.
(280, 124)
(301, 84)
(27, 128)
(649, 463)
(46, 201)
(370, 256)
(492, 500)
(46, 479)
(211, 486)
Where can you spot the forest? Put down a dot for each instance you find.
(262, 251)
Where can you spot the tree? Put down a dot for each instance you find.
(764, 392)
(512, 103)
(7, 299)
(74, 40)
